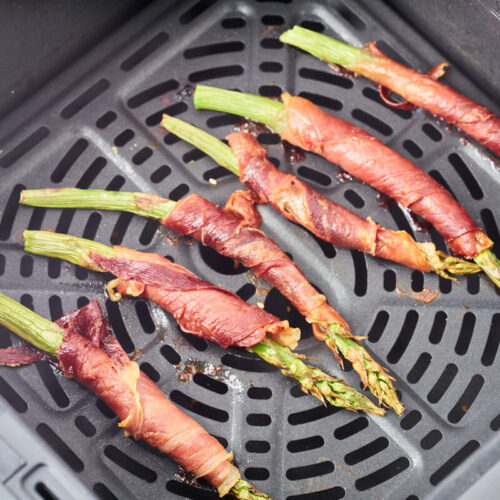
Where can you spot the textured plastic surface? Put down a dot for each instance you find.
(97, 126)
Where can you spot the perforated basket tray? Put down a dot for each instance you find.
(96, 126)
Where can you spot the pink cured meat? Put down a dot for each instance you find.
(228, 235)
(94, 357)
(368, 159)
(426, 92)
(199, 307)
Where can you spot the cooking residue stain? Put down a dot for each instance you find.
(251, 127)
(426, 295)
(343, 176)
(186, 92)
(292, 153)
(385, 201)
(418, 223)
(340, 71)
(138, 353)
(261, 286)
(186, 477)
(194, 366)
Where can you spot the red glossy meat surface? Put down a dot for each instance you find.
(368, 159)
(297, 201)
(93, 356)
(199, 307)
(436, 97)
(22, 355)
(227, 234)
(329, 221)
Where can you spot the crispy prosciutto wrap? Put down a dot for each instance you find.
(365, 157)
(199, 307)
(326, 219)
(423, 90)
(228, 235)
(88, 352)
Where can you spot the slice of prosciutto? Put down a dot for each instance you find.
(92, 355)
(199, 307)
(425, 91)
(232, 236)
(329, 221)
(365, 157)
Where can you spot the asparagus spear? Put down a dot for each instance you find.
(48, 336)
(338, 339)
(221, 153)
(312, 380)
(272, 113)
(416, 88)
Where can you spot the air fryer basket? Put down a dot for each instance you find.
(97, 126)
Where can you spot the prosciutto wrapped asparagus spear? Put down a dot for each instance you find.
(82, 347)
(416, 88)
(301, 204)
(200, 308)
(230, 236)
(362, 155)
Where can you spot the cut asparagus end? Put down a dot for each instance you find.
(313, 380)
(66, 247)
(36, 330)
(144, 204)
(219, 152)
(373, 375)
(255, 107)
(442, 263)
(245, 491)
(490, 264)
(321, 46)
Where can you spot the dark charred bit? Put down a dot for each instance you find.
(343, 176)
(138, 353)
(340, 71)
(292, 153)
(385, 201)
(419, 224)
(194, 366)
(185, 477)
(251, 127)
(186, 92)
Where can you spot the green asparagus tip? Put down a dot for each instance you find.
(245, 491)
(313, 380)
(490, 264)
(372, 374)
(442, 263)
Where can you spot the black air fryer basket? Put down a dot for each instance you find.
(97, 126)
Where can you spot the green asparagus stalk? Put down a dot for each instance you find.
(38, 331)
(490, 264)
(323, 386)
(143, 204)
(322, 46)
(257, 108)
